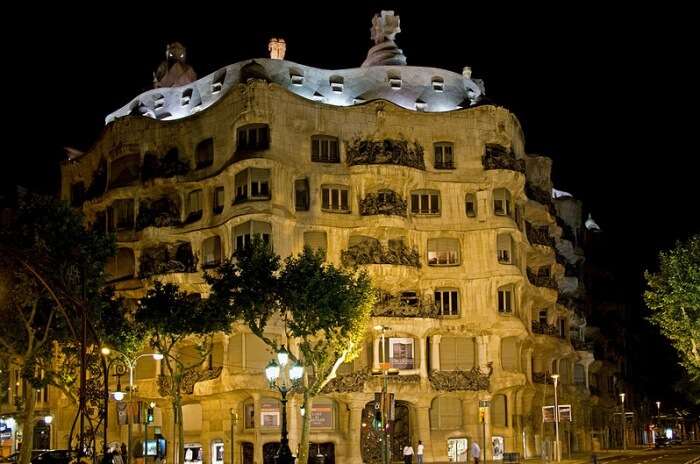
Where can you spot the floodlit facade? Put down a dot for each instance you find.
(404, 170)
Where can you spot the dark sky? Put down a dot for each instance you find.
(610, 95)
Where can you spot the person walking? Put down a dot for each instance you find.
(419, 452)
(476, 452)
(408, 454)
(116, 458)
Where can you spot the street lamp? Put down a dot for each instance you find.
(283, 377)
(622, 401)
(234, 422)
(119, 395)
(384, 365)
(557, 445)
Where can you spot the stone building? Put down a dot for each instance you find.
(404, 170)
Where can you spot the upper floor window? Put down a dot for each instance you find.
(499, 411)
(325, 149)
(425, 202)
(204, 153)
(504, 244)
(470, 205)
(121, 215)
(543, 317)
(194, 206)
(336, 83)
(457, 353)
(316, 240)
(243, 233)
(501, 202)
(253, 137)
(443, 252)
(401, 353)
(252, 184)
(335, 198)
(301, 194)
(218, 200)
(447, 302)
(509, 354)
(211, 251)
(506, 299)
(444, 158)
(562, 328)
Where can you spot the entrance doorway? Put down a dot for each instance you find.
(42, 436)
(398, 432)
(248, 452)
(270, 452)
(326, 449)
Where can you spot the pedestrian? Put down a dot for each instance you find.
(408, 454)
(476, 452)
(116, 458)
(419, 452)
(125, 455)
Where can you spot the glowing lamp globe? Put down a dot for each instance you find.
(157, 356)
(283, 356)
(272, 371)
(118, 395)
(296, 371)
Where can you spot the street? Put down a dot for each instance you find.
(674, 455)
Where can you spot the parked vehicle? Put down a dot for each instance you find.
(661, 442)
(676, 441)
(55, 457)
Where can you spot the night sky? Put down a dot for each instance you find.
(609, 95)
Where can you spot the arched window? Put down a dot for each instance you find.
(509, 354)
(457, 353)
(470, 205)
(204, 153)
(446, 413)
(121, 266)
(501, 202)
(499, 411)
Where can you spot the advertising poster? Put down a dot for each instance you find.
(497, 448)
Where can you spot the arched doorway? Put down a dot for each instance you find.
(399, 433)
(270, 452)
(247, 452)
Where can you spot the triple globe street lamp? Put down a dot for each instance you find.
(284, 377)
(129, 363)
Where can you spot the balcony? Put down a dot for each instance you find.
(498, 157)
(445, 165)
(540, 196)
(373, 252)
(167, 259)
(539, 235)
(541, 279)
(542, 328)
(387, 202)
(161, 212)
(406, 304)
(388, 151)
(582, 345)
(166, 167)
(471, 380)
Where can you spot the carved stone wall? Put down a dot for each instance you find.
(388, 151)
(539, 235)
(389, 305)
(459, 380)
(498, 157)
(544, 329)
(166, 166)
(373, 252)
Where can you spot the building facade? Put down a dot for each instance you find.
(406, 171)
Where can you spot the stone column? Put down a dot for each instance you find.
(423, 429)
(482, 343)
(435, 352)
(224, 360)
(423, 357)
(354, 450)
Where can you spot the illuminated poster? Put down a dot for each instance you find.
(457, 449)
(193, 453)
(322, 416)
(269, 412)
(497, 448)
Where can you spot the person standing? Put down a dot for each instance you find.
(476, 452)
(116, 458)
(408, 454)
(419, 452)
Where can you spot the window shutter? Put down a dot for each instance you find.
(448, 353)
(509, 354)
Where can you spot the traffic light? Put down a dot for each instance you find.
(149, 415)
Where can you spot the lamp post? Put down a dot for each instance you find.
(234, 422)
(119, 395)
(622, 401)
(557, 445)
(384, 365)
(283, 377)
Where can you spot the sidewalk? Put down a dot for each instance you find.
(586, 457)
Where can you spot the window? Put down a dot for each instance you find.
(562, 328)
(444, 158)
(447, 302)
(322, 414)
(122, 215)
(77, 194)
(425, 202)
(335, 198)
(409, 299)
(509, 354)
(401, 353)
(504, 244)
(194, 206)
(501, 202)
(218, 200)
(252, 184)
(315, 240)
(253, 137)
(336, 84)
(122, 265)
(438, 84)
(297, 77)
(125, 171)
(446, 413)
(443, 252)
(186, 97)
(301, 194)
(394, 80)
(499, 411)
(217, 83)
(457, 353)
(204, 153)
(211, 251)
(325, 149)
(579, 374)
(505, 300)
(243, 233)
(470, 205)
(543, 318)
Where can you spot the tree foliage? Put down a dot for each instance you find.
(673, 296)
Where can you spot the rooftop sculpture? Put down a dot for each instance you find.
(385, 26)
(174, 70)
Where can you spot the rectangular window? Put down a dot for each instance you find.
(447, 302)
(401, 353)
(543, 317)
(335, 198)
(252, 184)
(123, 214)
(253, 137)
(470, 205)
(211, 252)
(409, 299)
(504, 246)
(501, 202)
(301, 194)
(505, 300)
(218, 200)
(444, 158)
(244, 232)
(425, 202)
(194, 206)
(562, 328)
(443, 252)
(325, 149)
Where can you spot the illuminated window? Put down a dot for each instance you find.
(252, 184)
(501, 202)
(325, 149)
(186, 97)
(335, 199)
(444, 158)
(443, 252)
(425, 202)
(447, 302)
(504, 244)
(470, 205)
(506, 299)
(296, 76)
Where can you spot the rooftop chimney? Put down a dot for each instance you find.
(467, 72)
(277, 48)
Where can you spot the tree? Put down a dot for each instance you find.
(326, 310)
(673, 296)
(170, 317)
(51, 272)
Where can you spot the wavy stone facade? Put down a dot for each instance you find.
(452, 248)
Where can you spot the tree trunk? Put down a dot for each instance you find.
(25, 453)
(303, 456)
(177, 405)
